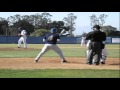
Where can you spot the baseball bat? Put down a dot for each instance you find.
(62, 32)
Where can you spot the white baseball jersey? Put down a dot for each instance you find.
(23, 39)
(23, 32)
(83, 41)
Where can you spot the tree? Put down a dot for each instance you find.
(13, 19)
(94, 20)
(59, 25)
(4, 30)
(35, 20)
(2, 19)
(39, 32)
(102, 19)
(40, 21)
(13, 31)
(97, 20)
(27, 18)
(110, 31)
(70, 22)
(25, 25)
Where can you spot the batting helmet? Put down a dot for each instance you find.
(53, 30)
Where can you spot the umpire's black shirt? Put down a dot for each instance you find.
(96, 36)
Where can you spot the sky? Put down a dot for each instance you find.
(82, 23)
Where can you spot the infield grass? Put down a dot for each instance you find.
(69, 50)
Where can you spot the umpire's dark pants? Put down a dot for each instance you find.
(94, 53)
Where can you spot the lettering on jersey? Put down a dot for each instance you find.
(50, 38)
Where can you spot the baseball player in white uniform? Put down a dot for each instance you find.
(83, 41)
(104, 55)
(22, 39)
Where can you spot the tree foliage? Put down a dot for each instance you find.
(110, 31)
(97, 20)
(25, 25)
(3, 27)
(70, 22)
(30, 23)
(39, 32)
(37, 23)
(59, 25)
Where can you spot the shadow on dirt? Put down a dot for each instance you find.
(115, 64)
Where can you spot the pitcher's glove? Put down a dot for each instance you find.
(19, 34)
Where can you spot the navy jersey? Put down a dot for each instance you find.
(51, 38)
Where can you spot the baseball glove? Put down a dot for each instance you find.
(19, 34)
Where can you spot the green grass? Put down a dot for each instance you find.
(69, 50)
(59, 73)
(112, 46)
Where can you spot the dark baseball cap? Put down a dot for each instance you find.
(96, 26)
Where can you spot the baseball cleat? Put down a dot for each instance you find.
(64, 61)
(102, 62)
(96, 64)
(36, 61)
(88, 63)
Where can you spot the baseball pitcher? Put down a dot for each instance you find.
(51, 40)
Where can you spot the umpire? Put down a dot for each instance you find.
(96, 45)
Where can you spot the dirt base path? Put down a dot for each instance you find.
(55, 63)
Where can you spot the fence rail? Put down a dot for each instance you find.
(64, 40)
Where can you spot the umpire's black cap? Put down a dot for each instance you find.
(96, 26)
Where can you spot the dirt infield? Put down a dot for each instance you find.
(55, 63)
